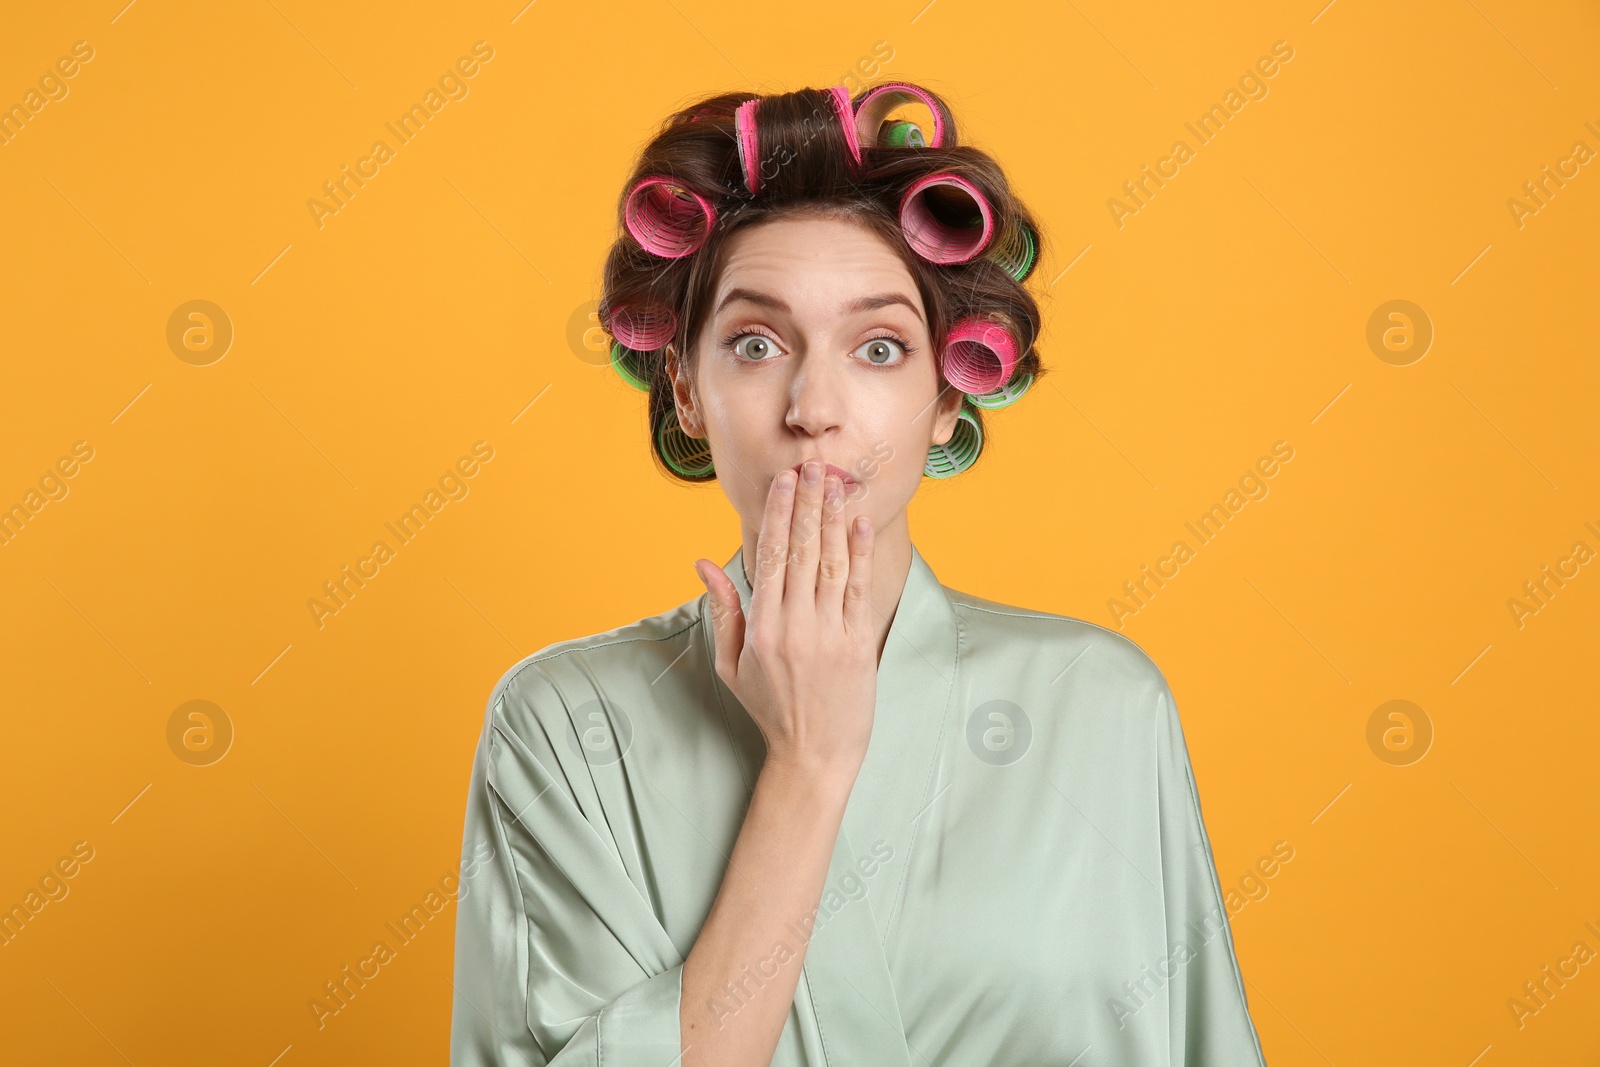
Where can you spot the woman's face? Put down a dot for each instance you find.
(816, 345)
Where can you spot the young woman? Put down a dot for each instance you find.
(832, 812)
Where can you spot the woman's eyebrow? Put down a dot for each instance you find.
(861, 303)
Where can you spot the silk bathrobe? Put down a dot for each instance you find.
(1022, 878)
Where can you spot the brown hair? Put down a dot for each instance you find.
(806, 168)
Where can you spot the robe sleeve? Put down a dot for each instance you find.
(559, 959)
(1209, 1018)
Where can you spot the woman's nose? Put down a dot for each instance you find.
(817, 400)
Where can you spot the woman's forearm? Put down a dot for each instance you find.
(737, 984)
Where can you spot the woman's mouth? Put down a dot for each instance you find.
(846, 479)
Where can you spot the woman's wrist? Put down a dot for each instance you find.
(811, 778)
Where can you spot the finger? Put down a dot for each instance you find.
(805, 535)
(727, 618)
(772, 552)
(858, 588)
(833, 568)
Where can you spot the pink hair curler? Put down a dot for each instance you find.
(926, 212)
(644, 327)
(979, 356)
(847, 118)
(877, 104)
(668, 219)
(744, 122)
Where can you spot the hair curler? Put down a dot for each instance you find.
(978, 356)
(744, 124)
(631, 366)
(904, 135)
(840, 96)
(946, 219)
(876, 105)
(1016, 250)
(668, 219)
(688, 456)
(1004, 396)
(643, 327)
(958, 453)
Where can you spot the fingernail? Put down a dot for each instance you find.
(813, 471)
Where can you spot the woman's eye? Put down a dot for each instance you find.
(753, 347)
(882, 351)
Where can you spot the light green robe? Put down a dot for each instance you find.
(1022, 878)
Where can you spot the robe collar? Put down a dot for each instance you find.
(847, 962)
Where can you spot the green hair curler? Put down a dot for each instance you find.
(960, 452)
(904, 135)
(688, 456)
(1016, 251)
(1004, 396)
(631, 365)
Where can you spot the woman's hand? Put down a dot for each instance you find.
(805, 662)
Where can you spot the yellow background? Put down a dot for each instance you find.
(431, 311)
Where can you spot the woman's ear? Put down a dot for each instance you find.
(946, 409)
(683, 394)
